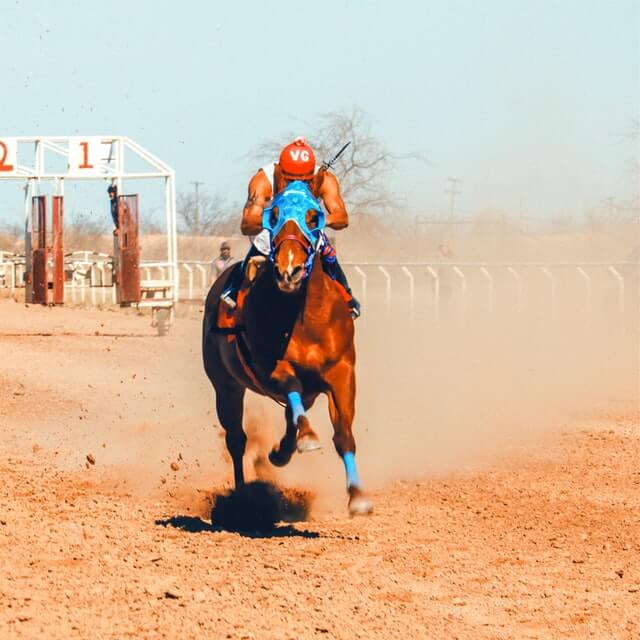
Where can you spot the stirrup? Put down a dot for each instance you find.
(228, 300)
(354, 305)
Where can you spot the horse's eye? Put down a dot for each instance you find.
(312, 219)
(275, 214)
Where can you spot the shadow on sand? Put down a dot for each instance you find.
(193, 524)
(252, 511)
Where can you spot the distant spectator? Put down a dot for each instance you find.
(113, 203)
(221, 262)
(444, 251)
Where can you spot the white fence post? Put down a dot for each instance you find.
(620, 279)
(589, 305)
(387, 276)
(519, 289)
(363, 279)
(92, 287)
(489, 278)
(189, 271)
(463, 292)
(436, 292)
(103, 280)
(412, 290)
(203, 280)
(552, 281)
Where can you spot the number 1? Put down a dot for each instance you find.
(85, 156)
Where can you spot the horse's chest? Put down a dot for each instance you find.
(305, 354)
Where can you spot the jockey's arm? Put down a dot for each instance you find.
(257, 198)
(337, 217)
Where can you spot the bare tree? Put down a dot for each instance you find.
(361, 169)
(206, 214)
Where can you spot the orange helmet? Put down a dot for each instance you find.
(297, 160)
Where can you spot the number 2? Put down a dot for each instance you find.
(3, 158)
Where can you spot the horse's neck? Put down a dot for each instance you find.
(270, 303)
(320, 291)
(315, 291)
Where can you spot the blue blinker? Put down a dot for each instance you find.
(293, 203)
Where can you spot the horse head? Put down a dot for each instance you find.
(295, 220)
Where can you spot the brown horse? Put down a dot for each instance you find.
(296, 341)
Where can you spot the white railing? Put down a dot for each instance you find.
(11, 270)
(418, 287)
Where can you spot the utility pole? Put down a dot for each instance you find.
(196, 217)
(452, 191)
(610, 202)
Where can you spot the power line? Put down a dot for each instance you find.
(452, 191)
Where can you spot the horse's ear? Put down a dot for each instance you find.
(274, 217)
(254, 266)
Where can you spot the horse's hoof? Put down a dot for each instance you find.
(359, 503)
(278, 458)
(307, 443)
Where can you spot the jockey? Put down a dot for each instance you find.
(297, 162)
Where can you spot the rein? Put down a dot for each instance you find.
(305, 245)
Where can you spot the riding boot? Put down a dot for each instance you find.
(334, 270)
(230, 295)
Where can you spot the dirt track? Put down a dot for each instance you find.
(542, 541)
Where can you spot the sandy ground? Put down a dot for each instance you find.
(526, 524)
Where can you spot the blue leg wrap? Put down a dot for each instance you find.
(295, 402)
(349, 460)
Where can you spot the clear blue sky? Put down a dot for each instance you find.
(520, 100)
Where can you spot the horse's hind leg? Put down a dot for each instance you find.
(342, 395)
(229, 399)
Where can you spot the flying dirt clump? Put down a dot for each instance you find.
(257, 507)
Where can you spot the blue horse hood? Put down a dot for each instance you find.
(293, 203)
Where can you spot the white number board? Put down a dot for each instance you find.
(8, 156)
(84, 156)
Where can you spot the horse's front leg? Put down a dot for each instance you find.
(342, 396)
(299, 434)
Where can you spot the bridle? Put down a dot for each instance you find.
(307, 246)
(293, 204)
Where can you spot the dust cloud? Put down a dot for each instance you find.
(483, 370)
(496, 361)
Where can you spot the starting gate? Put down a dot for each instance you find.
(89, 158)
(126, 251)
(45, 279)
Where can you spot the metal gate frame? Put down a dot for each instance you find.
(126, 252)
(109, 167)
